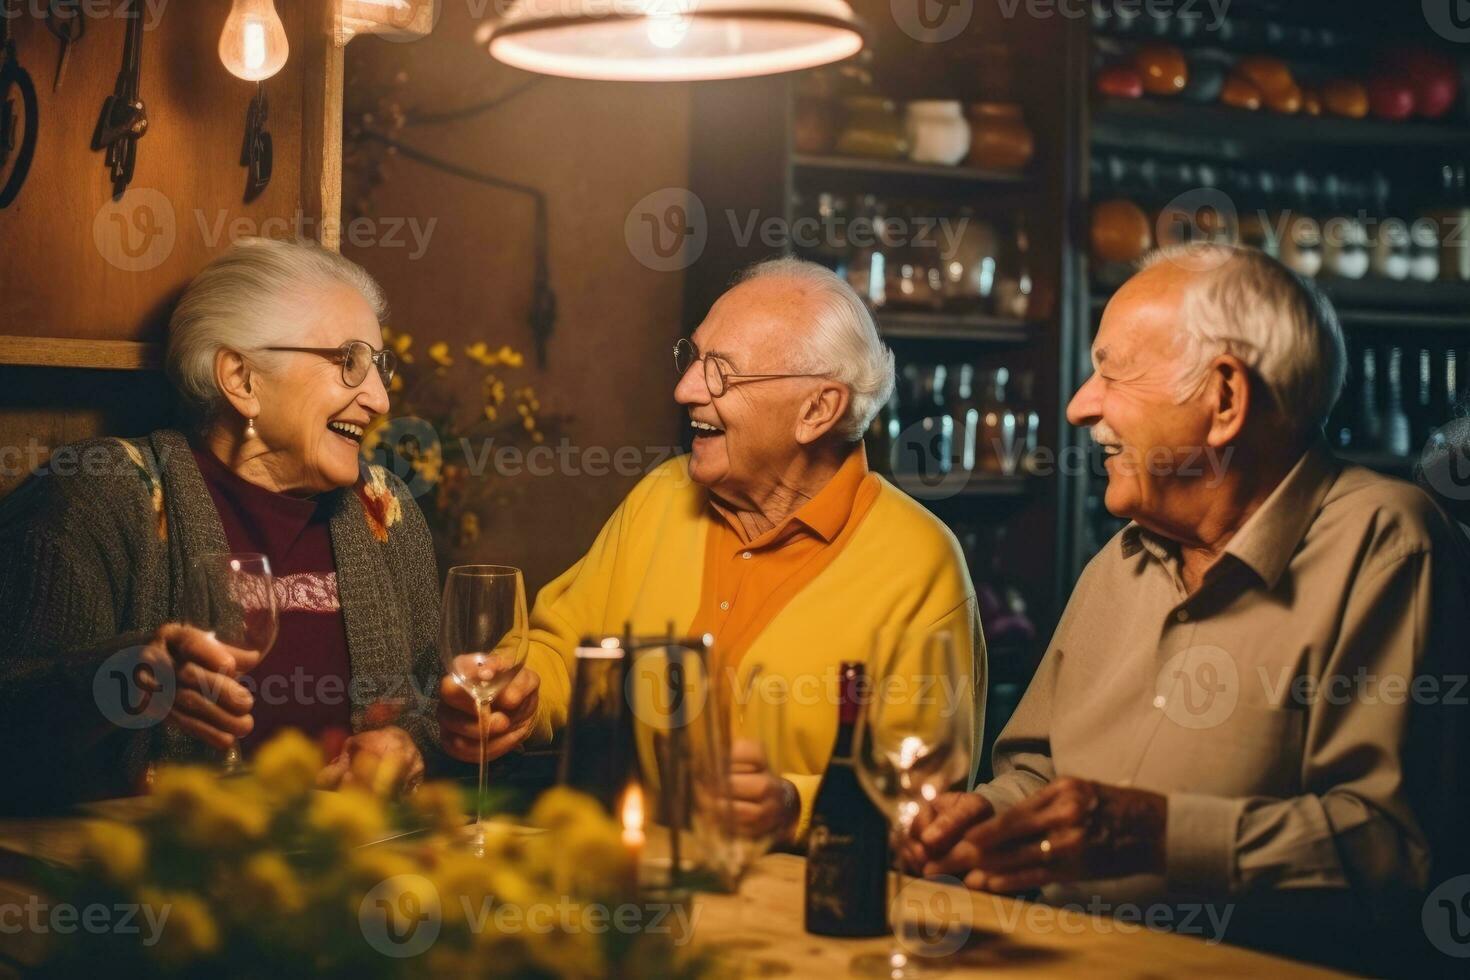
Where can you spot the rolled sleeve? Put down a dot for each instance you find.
(1200, 835)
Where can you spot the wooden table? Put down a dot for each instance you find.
(761, 927)
(1001, 937)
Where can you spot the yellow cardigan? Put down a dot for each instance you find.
(901, 566)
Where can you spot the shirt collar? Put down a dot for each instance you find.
(1271, 535)
(826, 513)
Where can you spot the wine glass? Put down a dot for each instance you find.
(233, 597)
(482, 643)
(911, 743)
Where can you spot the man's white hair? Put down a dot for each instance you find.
(841, 340)
(1282, 328)
(251, 297)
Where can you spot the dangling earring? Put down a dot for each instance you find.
(250, 428)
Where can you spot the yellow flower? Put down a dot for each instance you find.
(400, 344)
(511, 358)
(373, 434)
(287, 765)
(268, 885)
(429, 463)
(529, 423)
(352, 816)
(118, 849)
(371, 865)
(188, 932)
(439, 354)
(396, 385)
(469, 527)
(537, 437)
(560, 807)
(440, 804)
(205, 813)
(491, 413)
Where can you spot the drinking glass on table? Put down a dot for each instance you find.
(483, 643)
(233, 596)
(911, 743)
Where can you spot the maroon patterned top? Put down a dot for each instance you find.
(304, 681)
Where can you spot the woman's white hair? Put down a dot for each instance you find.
(842, 341)
(1281, 327)
(251, 297)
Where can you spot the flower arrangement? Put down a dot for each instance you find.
(265, 876)
(438, 438)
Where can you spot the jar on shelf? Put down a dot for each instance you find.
(969, 264)
(937, 131)
(914, 266)
(999, 440)
(1013, 282)
(873, 128)
(999, 137)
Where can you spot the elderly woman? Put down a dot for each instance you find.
(772, 535)
(274, 350)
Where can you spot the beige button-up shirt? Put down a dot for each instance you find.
(1293, 709)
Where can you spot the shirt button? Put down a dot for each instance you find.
(724, 605)
(1182, 615)
(1159, 701)
(745, 555)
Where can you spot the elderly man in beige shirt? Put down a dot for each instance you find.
(1251, 696)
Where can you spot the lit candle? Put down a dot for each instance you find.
(633, 837)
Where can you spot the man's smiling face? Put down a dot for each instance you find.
(1130, 402)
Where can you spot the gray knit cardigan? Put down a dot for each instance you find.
(92, 560)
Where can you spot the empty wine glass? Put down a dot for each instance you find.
(233, 597)
(911, 744)
(482, 643)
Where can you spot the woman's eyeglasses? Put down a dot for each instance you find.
(717, 374)
(356, 357)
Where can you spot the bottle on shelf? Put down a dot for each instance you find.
(964, 408)
(1369, 434)
(1396, 433)
(867, 269)
(847, 848)
(1424, 417)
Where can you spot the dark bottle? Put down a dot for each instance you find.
(1396, 437)
(598, 748)
(847, 849)
(1370, 422)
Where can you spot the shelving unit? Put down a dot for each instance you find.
(1375, 311)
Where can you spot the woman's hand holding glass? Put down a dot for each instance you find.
(209, 702)
(510, 721)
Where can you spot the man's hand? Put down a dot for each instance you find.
(384, 761)
(939, 840)
(1071, 829)
(209, 703)
(764, 804)
(510, 720)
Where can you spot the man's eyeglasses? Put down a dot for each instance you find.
(356, 357)
(717, 374)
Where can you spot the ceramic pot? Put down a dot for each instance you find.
(999, 137)
(937, 132)
(873, 129)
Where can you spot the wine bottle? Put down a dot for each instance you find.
(847, 848)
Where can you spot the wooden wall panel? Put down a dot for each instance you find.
(77, 264)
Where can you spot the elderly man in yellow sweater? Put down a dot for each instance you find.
(772, 535)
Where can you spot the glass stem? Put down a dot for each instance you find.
(897, 958)
(484, 724)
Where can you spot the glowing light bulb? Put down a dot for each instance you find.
(253, 44)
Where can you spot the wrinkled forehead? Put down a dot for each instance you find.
(333, 315)
(755, 323)
(1141, 324)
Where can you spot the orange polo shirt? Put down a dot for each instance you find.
(747, 582)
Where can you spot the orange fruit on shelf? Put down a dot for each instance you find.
(1120, 81)
(1164, 70)
(1241, 93)
(1311, 101)
(1286, 101)
(1271, 75)
(1120, 231)
(1345, 97)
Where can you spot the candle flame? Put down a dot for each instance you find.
(633, 816)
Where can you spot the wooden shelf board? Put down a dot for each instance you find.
(905, 168)
(115, 355)
(955, 326)
(1172, 125)
(978, 485)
